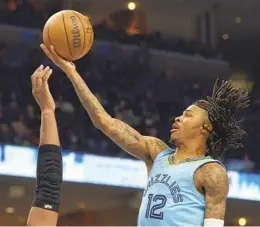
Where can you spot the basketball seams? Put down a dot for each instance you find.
(83, 46)
(48, 32)
(91, 37)
(66, 34)
(90, 40)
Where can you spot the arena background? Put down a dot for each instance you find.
(150, 60)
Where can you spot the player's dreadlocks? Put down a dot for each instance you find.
(221, 107)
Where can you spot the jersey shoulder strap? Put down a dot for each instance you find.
(165, 152)
(206, 161)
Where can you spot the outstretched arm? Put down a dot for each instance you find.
(44, 210)
(121, 133)
(214, 180)
(145, 148)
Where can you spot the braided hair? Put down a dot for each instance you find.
(222, 106)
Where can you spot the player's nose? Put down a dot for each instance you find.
(177, 119)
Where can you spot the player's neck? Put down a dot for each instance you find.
(190, 150)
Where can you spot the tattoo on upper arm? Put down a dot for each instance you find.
(214, 180)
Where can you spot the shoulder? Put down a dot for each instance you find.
(155, 146)
(214, 168)
(212, 177)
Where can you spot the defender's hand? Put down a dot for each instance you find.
(40, 88)
(66, 66)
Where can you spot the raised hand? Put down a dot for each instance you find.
(40, 88)
(66, 66)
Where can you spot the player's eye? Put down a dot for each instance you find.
(187, 115)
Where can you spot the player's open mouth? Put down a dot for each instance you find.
(175, 127)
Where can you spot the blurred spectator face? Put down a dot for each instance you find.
(196, 86)
(152, 132)
(149, 95)
(13, 104)
(4, 128)
(246, 157)
(12, 5)
(20, 118)
(36, 4)
(169, 74)
(60, 98)
(189, 126)
(122, 104)
(30, 109)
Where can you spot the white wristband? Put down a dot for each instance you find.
(213, 222)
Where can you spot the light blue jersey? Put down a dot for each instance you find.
(170, 198)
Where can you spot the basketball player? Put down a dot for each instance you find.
(45, 206)
(187, 186)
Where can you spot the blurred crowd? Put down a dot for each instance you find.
(127, 85)
(34, 14)
(28, 13)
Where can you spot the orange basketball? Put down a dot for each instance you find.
(70, 33)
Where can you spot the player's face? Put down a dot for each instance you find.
(189, 125)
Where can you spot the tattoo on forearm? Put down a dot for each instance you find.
(87, 99)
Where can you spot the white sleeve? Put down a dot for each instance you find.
(213, 222)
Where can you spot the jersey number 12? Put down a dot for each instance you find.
(153, 210)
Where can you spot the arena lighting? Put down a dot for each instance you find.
(131, 6)
(242, 221)
(81, 205)
(238, 20)
(9, 210)
(225, 36)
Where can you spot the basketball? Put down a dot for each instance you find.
(70, 33)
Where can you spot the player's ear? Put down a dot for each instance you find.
(206, 127)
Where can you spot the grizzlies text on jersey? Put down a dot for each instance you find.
(170, 198)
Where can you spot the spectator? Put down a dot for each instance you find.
(20, 128)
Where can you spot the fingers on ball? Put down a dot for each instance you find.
(47, 52)
(54, 53)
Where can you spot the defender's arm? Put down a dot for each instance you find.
(45, 207)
